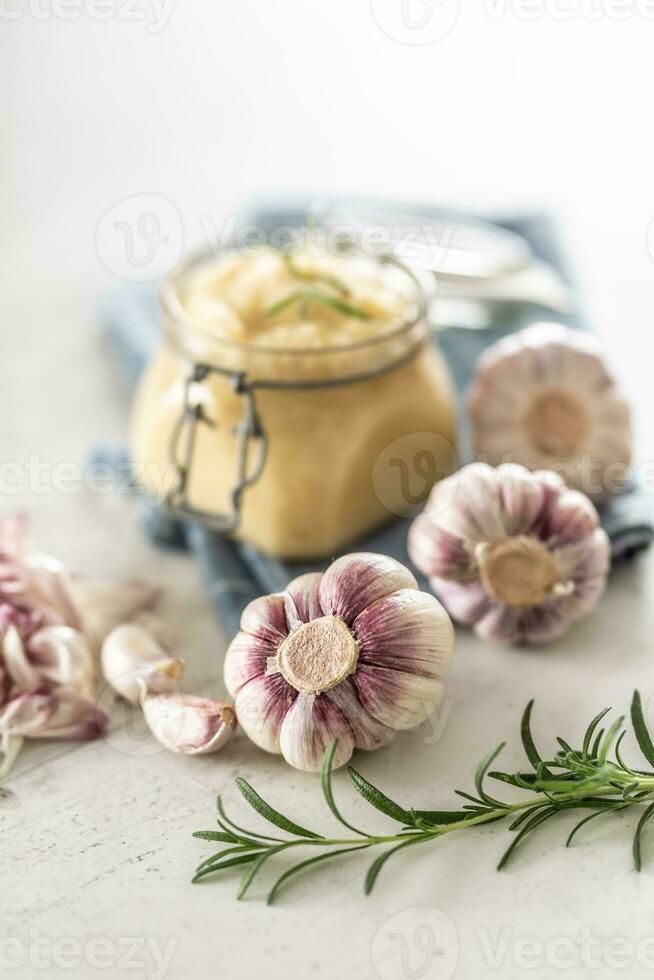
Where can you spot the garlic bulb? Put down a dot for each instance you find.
(187, 724)
(515, 554)
(357, 653)
(133, 663)
(544, 398)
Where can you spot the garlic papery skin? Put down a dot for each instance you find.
(187, 724)
(356, 653)
(544, 398)
(134, 664)
(514, 554)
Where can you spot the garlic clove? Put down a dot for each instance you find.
(397, 698)
(187, 724)
(584, 566)
(407, 631)
(570, 518)
(265, 617)
(47, 586)
(522, 499)
(247, 658)
(308, 729)
(502, 624)
(435, 551)
(52, 713)
(368, 733)
(303, 599)
(62, 655)
(26, 621)
(133, 663)
(354, 582)
(466, 602)
(261, 706)
(585, 560)
(20, 671)
(468, 504)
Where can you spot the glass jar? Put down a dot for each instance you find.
(296, 451)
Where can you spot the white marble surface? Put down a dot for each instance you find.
(95, 839)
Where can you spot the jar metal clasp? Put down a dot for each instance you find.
(183, 442)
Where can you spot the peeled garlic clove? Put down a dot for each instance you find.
(187, 724)
(538, 564)
(133, 663)
(544, 398)
(355, 654)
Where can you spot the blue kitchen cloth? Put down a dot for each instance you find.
(235, 572)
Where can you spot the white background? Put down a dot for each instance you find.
(249, 98)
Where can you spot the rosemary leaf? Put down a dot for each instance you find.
(245, 836)
(537, 818)
(274, 891)
(527, 740)
(640, 728)
(220, 866)
(647, 815)
(249, 875)
(377, 799)
(582, 822)
(271, 815)
(482, 769)
(608, 740)
(314, 296)
(379, 862)
(596, 744)
(215, 835)
(326, 783)
(591, 730)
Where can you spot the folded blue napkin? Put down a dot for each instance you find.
(236, 573)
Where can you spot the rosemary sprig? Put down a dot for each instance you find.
(314, 275)
(573, 779)
(315, 296)
(309, 294)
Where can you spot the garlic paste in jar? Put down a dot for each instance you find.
(346, 391)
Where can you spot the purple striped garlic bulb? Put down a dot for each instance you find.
(356, 653)
(516, 555)
(544, 398)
